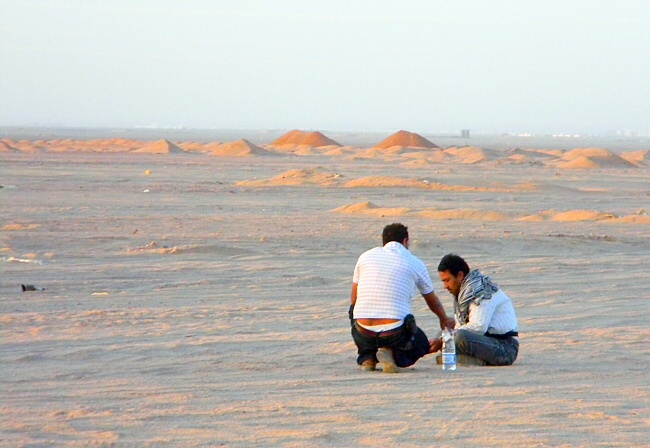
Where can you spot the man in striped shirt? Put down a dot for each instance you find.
(485, 318)
(383, 327)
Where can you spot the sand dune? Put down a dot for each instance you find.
(6, 146)
(239, 148)
(634, 219)
(464, 214)
(431, 156)
(320, 177)
(311, 176)
(22, 145)
(637, 157)
(336, 151)
(368, 208)
(386, 182)
(471, 154)
(193, 146)
(520, 156)
(585, 158)
(392, 182)
(405, 139)
(297, 137)
(379, 153)
(399, 147)
(159, 147)
(582, 215)
(291, 148)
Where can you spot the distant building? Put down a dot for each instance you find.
(464, 133)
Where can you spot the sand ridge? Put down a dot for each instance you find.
(297, 137)
(239, 148)
(370, 208)
(159, 147)
(585, 158)
(319, 176)
(406, 139)
(307, 176)
(398, 147)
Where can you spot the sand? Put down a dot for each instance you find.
(193, 300)
(407, 139)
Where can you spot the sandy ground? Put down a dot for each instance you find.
(193, 300)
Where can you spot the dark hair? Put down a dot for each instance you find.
(454, 264)
(394, 232)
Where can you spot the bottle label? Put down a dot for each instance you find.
(449, 358)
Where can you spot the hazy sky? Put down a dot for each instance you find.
(570, 66)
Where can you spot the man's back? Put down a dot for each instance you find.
(386, 277)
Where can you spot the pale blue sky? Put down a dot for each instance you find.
(570, 66)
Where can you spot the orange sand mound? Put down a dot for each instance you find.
(159, 147)
(637, 157)
(434, 156)
(470, 154)
(300, 150)
(372, 153)
(4, 146)
(385, 181)
(425, 184)
(21, 145)
(239, 148)
(581, 215)
(193, 146)
(311, 176)
(297, 137)
(406, 139)
(634, 219)
(368, 208)
(338, 150)
(585, 158)
(465, 214)
(586, 215)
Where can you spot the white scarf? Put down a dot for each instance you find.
(475, 288)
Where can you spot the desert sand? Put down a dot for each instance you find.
(196, 293)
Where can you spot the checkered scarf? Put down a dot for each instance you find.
(475, 288)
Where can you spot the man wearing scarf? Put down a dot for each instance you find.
(486, 325)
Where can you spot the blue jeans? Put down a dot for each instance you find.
(407, 348)
(495, 352)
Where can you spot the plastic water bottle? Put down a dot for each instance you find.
(448, 350)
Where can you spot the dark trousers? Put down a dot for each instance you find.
(407, 348)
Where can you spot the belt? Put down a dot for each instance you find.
(378, 334)
(510, 334)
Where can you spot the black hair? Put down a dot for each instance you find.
(394, 232)
(454, 264)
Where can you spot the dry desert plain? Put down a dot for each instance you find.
(196, 293)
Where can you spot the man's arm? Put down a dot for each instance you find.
(480, 315)
(353, 300)
(436, 307)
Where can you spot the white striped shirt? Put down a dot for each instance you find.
(386, 277)
(496, 315)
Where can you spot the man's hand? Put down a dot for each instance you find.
(447, 322)
(435, 345)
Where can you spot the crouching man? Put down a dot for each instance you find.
(486, 325)
(383, 327)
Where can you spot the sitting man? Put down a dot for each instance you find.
(486, 325)
(383, 327)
